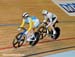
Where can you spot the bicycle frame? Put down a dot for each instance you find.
(22, 33)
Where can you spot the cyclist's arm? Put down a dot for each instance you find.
(45, 19)
(30, 25)
(22, 24)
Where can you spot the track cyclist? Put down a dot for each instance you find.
(50, 19)
(33, 23)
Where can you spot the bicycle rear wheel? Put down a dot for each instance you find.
(33, 43)
(57, 33)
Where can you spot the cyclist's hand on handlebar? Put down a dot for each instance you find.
(44, 23)
(19, 29)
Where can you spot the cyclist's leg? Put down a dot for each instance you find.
(52, 27)
(30, 36)
(31, 33)
(37, 23)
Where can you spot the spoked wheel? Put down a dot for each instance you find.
(33, 43)
(57, 33)
(18, 41)
(43, 32)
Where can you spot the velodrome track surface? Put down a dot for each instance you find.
(10, 18)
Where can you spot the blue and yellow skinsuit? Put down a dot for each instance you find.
(32, 21)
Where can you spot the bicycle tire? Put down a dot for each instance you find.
(57, 33)
(33, 43)
(19, 41)
(43, 32)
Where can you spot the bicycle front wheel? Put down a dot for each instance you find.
(18, 40)
(43, 32)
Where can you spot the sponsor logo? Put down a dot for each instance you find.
(69, 7)
(66, 5)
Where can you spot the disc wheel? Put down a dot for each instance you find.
(57, 33)
(33, 43)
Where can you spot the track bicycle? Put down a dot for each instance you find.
(21, 38)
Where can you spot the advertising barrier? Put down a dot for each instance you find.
(67, 6)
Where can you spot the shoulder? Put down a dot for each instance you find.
(49, 13)
(33, 17)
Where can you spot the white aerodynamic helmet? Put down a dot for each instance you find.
(44, 11)
(25, 14)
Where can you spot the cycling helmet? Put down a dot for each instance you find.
(25, 14)
(44, 11)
